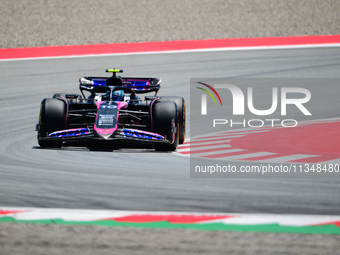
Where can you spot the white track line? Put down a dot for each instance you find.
(287, 158)
(248, 155)
(205, 142)
(203, 148)
(226, 150)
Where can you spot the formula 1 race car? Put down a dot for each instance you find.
(113, 114)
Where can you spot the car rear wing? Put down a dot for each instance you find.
(139, 85)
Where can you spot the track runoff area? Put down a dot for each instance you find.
(304, 224)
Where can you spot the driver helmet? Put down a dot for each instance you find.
(118, 95)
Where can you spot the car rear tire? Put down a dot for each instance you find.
(52, 118)
(165, 117)
(180, 102)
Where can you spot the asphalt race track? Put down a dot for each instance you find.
(135, 179)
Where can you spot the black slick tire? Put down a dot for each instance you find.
(165, 118)
(52, 118)
(180, 102)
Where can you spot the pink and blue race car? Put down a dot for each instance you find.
(109, 112)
